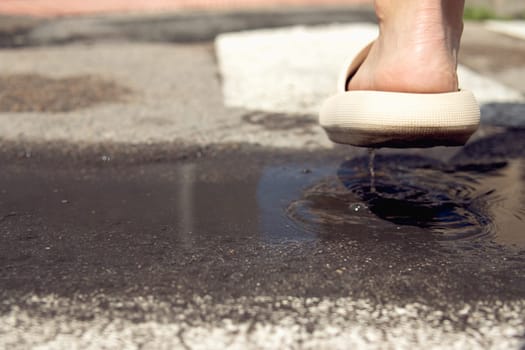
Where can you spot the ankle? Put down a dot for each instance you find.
(417, 47)
(420, 21)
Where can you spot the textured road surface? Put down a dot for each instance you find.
(138, 211)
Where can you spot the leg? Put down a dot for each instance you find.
(417, 47)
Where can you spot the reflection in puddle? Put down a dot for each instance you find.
(371, 169)
(413, 191)
(507, 203)
(185, 205)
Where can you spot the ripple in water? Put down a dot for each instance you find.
(407, 191)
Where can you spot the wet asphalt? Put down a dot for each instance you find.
(154, 245)
(241, 222)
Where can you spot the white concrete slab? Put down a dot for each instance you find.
(515, 28)
(293, 69)
(289, 69)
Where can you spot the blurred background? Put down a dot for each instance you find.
(479, 8)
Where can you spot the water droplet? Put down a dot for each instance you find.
(25, 154)
(356, 207)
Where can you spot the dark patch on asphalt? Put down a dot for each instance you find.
(280, 121)
(14, 38)
(173, 28)
(507, 114)
(220, 226)
(36, 93)
(15, 29)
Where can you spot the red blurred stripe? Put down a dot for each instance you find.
(78, 7)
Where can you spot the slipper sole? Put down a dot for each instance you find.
(401, 120)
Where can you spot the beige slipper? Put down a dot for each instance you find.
(397, 119)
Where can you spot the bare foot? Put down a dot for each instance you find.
(417, 47)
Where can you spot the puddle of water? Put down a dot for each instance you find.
(256, 224)
(486, 202)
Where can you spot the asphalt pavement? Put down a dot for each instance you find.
(154, 197)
